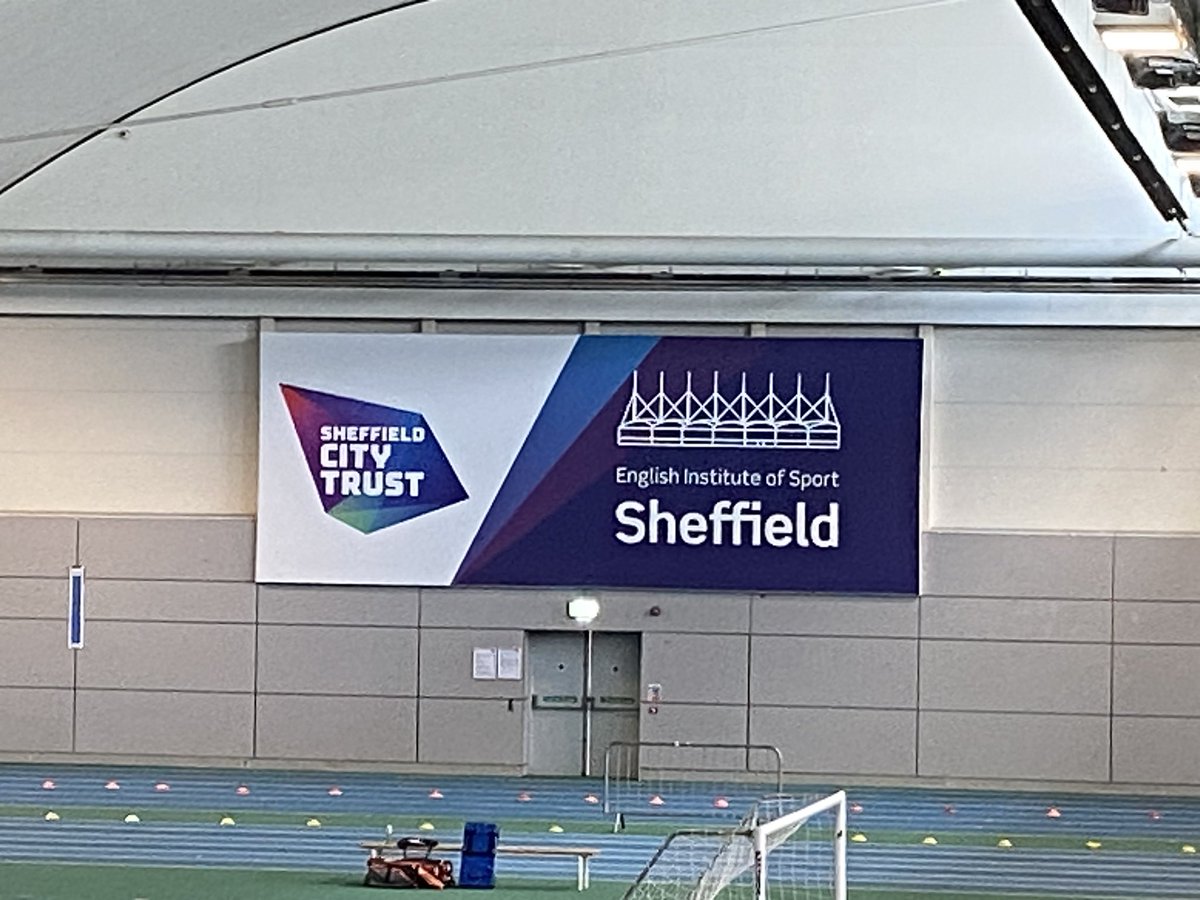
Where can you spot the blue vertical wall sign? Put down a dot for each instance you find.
(75, 609)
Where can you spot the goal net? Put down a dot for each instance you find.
(784, 849)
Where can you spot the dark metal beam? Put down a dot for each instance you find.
(1054, 32)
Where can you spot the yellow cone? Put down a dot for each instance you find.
(859, 838)
(930, 839)
(426, 826)
(52, 816)
(1093, 845)
(556, 829)
(1187, 848)
(1004, 842)
(132, 819)
(227, 820)
(313, 823)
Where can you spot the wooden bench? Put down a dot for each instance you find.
(582, 855)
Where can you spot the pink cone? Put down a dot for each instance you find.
(48, 785)
(721, 803)
(162, 787)
(657, 800)
(335, 791)
(1053, 813)
(242, 790)
(112, 786)
(591, 798)
(524, 797)
(435, 794)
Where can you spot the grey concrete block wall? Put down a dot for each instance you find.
(340, 729)
(1021, 658)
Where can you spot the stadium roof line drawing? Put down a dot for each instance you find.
(740, 421)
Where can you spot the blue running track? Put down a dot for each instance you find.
(1082, 872)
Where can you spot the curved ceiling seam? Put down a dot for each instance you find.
(94, 131)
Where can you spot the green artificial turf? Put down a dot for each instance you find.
(57, 881)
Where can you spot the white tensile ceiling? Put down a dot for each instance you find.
(891, 118)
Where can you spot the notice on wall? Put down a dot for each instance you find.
(483, 664)
(703, 463)
(508, 660)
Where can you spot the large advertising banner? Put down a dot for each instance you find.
(658, 462)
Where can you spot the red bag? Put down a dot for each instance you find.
(414, 868)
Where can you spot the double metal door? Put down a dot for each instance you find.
(584, 696)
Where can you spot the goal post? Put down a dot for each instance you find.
(785, 848)
(772, 834)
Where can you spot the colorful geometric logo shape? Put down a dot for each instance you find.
(373, 466)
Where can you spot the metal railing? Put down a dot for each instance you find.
(685, 780)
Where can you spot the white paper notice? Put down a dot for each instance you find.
(484, 664)
(509, 663)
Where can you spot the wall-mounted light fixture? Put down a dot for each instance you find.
(1123, 7)
(583, 609)
(1133, 39)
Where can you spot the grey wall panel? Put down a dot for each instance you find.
(797, 671)
(546, 610)
(970, 564)
(698, 724)
(1018, 746)
(35, 720)
(329, 605)
(35, 654)
(36, 545)
(170, 601)
(1156, 750)
(315, 659)
(1159, 567)
(845, 741)
(842, 616)
(168, 656)
(362, 729)
(482, 732)
(35, 598)
(165, 723)
(1014, 619)
(1157, 680)
(1147, 622)
(697, 668)
(446, 663)
(1014, 677)
(171, 548)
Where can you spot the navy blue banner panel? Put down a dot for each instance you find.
(788, 465)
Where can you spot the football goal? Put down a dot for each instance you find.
(784, 849)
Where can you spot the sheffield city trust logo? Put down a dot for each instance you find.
(742, 420)
(373, 466)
